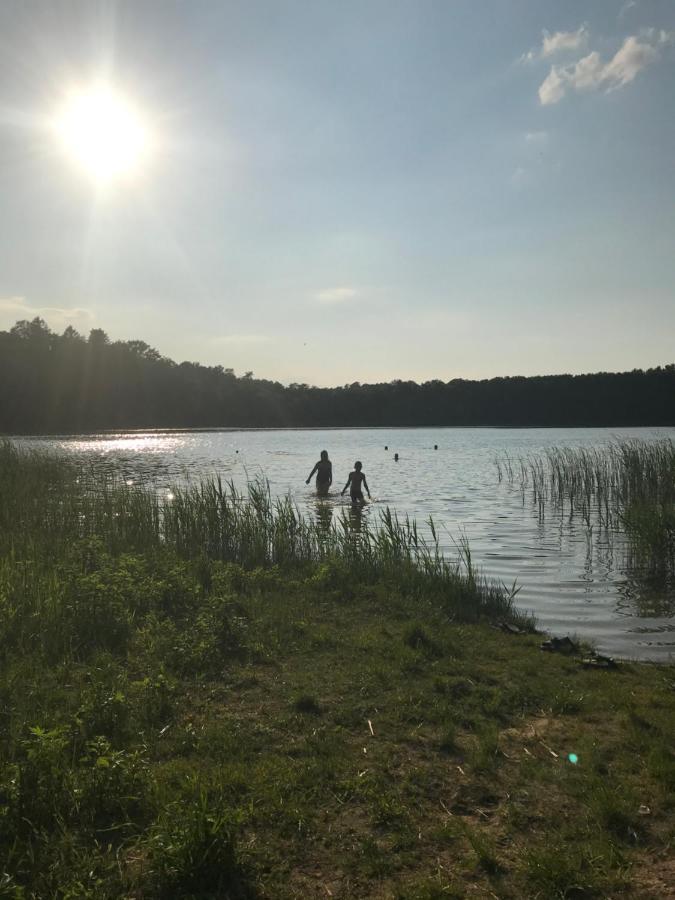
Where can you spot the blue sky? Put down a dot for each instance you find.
(355, 191)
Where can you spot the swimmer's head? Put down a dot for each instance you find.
(358, 465)
(324, 454)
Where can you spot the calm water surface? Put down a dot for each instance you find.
(570, 583)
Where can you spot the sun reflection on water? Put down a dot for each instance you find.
(125, 443)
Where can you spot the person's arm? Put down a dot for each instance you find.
(330, 474)
(347, 485)
(311, 473)
(365, 484)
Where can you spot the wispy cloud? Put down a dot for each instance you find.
(56, 316)
(336, 294)
(563, 41)
(626, 8)
(559, 42)
(536, 138)
(591, 74)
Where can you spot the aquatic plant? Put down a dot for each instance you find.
(626, 486)
(49, 503)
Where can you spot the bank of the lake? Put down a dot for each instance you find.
(571, 577)
(251, 718)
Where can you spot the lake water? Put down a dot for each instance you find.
(571, 584)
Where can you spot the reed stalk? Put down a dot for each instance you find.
(47, 504)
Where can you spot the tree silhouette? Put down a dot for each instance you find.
(66, 383)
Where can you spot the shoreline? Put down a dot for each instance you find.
(199, 700)
(225, 429)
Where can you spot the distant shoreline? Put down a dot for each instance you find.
(253, 428)
(63, 384)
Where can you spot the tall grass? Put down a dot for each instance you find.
(628, 486)
(48, 503)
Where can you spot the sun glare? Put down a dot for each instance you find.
(102, 132)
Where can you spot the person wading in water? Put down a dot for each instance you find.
(354, 482)
(324, 473)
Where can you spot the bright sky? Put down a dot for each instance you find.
(334, 192)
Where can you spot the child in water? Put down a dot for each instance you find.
(354, 482)
(324, 473)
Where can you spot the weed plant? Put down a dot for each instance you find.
(627, 486)
(48, 504)
(209, 697)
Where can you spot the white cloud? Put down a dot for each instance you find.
(552, 87)
(336, 295)
(563, 41)
(633, 56)
(658, 36)
(560, 42)
(57, 317)
(536, 138)
(591, 74)
(626, 8)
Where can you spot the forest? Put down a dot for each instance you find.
(67, 383)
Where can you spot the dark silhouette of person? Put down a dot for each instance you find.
(324, 473)
(354, 482)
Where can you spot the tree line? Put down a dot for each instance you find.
(66, 383)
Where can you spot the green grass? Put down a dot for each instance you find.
(178, 721)
(47, 504)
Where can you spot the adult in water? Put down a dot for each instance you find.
(324, 473)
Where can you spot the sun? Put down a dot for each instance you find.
(102, 132)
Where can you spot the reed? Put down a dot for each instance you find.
(627, 486)
(48, 504)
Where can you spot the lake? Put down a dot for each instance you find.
(572, 584)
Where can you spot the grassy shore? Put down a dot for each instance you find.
(210, 697)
